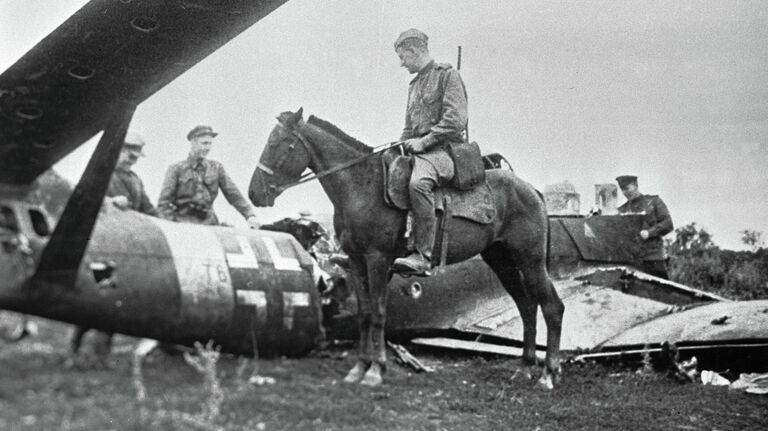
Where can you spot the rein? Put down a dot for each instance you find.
(316, 176)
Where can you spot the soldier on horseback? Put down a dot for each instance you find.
(436, 115)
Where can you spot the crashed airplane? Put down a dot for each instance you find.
(613, 309)
(255, 292)
(122, 271)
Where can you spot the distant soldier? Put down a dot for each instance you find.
(656, 223)
(125, 191)
(191, 185)
(436, 114)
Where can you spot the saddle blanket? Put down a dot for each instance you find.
(477, 205)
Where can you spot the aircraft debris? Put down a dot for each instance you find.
(712, 378)
(751, 383)
(474, 346)
(686, 370)
(406, 359)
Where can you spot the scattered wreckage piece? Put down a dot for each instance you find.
(406, 359)
(474, 346)
(751, 383)
(712, 378)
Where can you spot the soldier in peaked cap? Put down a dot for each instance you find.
(125, 191)
(191, 185)
(201, 131)
(656, 223)
(436, 114)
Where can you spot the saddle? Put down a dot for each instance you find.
(477, 204)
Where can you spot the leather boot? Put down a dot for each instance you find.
(420, 261)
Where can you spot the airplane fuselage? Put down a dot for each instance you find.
(249, 291)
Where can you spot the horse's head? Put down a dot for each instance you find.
(282, 162)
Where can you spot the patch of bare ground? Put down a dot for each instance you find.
(466, 392)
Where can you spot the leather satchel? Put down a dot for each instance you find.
(469, 170)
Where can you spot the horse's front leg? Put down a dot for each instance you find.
(359, 283)
(378, 264)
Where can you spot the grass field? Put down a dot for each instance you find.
(466, 392)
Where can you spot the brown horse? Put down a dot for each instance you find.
(514, 245)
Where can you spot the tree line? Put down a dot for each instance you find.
(696, 261)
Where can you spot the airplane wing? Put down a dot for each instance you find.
(88, 75)
(601, 302)
(107, 55)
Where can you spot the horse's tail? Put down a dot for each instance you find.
(549, 228)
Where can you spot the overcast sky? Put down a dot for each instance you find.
(675, 92)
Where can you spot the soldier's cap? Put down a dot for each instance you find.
(625, 180)
(411, 33)
(135, 143)
(201, 130)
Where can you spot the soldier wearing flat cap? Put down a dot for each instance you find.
(656, 223)
(125, 191)
(436, 114)
(191, 185)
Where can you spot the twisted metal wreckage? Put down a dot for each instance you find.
(256, 291)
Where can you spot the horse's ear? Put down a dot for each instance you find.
(294, 119)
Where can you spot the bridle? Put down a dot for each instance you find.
(272, 190)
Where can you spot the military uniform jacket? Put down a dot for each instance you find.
(194, 183)
(437, 104)
(128, 184)
(656, 221)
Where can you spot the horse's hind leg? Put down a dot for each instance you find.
(502, 264)
(540, 286)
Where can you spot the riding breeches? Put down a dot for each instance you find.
(430, 170)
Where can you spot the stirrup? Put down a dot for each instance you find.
(406, 270)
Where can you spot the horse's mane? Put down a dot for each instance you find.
(338, 133)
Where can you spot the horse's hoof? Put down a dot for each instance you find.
(372, 377)
(356, 373)
(545, 382)
(550, 378)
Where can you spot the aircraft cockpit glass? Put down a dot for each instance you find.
(39, 223)
(8, 222)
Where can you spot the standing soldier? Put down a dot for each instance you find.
(436, 114)
(191, 185)
(656, 223)
(125, 191)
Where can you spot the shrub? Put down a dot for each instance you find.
(696, 261)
